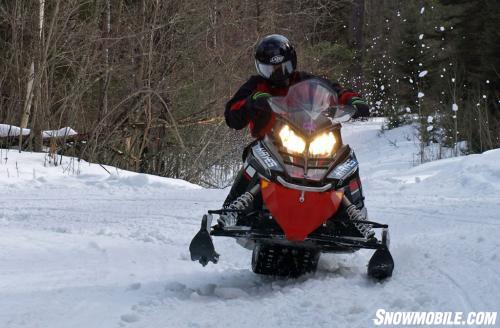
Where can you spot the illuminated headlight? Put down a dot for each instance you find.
(292, 142)
(322, 145)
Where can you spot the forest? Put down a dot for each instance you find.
(145, 82)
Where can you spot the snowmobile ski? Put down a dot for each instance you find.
(381, 264)
(202, 247)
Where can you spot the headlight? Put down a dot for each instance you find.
(291, 141)
(322, 145)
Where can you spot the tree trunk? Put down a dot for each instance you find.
(27, 105)
(357, 40)
(36, 132)
(106, 58)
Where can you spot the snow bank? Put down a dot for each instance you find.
(457, 176)
(26, 169)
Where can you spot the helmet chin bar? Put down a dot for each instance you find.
(280, 83)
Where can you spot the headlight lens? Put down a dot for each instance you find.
(322, 145)
(292, 142)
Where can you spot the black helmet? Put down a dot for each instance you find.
(275, 59)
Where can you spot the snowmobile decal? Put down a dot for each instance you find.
(264, 157)
(344, 170)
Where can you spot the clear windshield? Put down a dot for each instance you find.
(311, 105)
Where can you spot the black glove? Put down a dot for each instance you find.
(362, 108)
(259, 112)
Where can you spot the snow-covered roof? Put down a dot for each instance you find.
(64, 132)
(8, 130)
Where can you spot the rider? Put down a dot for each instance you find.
(276, 63)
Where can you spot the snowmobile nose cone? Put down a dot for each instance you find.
(297, 212)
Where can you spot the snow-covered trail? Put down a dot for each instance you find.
(93, 250)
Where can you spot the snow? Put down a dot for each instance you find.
(430, 119)
(38, 170)
(80, 247)
(423, 73)
(454, 107)
(422, 10)
(421, 36)
(420, 94)
(441, 28)
(64, 132)
(7, 130)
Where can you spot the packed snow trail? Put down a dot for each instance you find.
(80, 247)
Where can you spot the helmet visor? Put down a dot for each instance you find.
(274, 72)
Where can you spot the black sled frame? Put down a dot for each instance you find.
(202, 248)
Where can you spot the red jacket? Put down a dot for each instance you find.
(236, 112)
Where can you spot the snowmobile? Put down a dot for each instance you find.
(305, 196)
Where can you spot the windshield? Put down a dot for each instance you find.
(311, 105)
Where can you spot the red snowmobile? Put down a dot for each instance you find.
(305, 196)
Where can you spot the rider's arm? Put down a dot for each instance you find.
(351, 98)
(345, 95)
(236, 114)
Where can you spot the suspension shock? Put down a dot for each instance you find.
(356, 215)
(241, 203)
